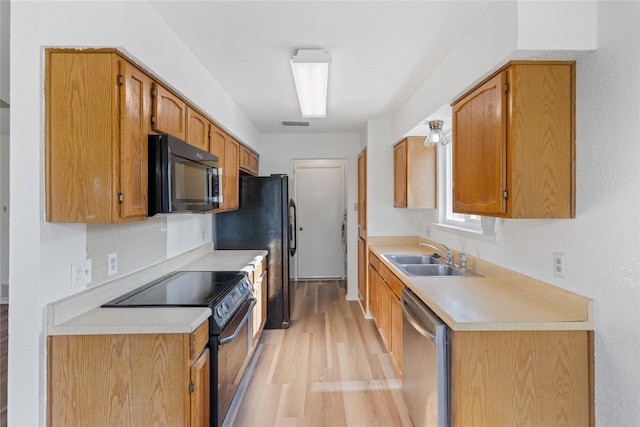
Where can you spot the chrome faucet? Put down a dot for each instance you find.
(449, 255)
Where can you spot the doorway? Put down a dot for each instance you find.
(320, 194)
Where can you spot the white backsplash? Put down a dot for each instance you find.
(138, 245)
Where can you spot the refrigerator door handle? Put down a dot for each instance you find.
(293, 228)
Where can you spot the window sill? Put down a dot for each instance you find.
(467, 232)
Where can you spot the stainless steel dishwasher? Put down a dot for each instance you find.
(425, 363)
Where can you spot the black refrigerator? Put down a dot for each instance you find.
(265, 220)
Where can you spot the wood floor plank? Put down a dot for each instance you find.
(328, 369)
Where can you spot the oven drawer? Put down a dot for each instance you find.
(199, 339)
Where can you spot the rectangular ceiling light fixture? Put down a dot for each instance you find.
(311, 74)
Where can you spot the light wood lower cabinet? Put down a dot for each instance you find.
(385, 292)
(129, 380)
(508, 378)
(260, 294)
(362, 273)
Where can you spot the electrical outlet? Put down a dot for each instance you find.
(81, 274)
(558, 264)
(112, 264)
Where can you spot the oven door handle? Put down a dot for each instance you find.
(239, 328)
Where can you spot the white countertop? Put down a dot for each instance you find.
(82, 314)
(499, 300)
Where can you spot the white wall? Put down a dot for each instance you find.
(279, 150)
(41, 253)
(602, 244)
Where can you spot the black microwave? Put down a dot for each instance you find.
(182, 178)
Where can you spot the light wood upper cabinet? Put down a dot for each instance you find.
(414, 173)
(249, 161)
(514, 143)
(231, 175)
(362, 194)
(97, 124)
(197, 129)
(90, 377)
(169, 112)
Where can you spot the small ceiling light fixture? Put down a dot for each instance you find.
(436, 135)
(311, 74)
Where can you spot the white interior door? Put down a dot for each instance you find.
(320, 196)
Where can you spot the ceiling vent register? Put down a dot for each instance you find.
(290, 123)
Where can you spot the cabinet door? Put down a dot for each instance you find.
(230, 177)
(245, 158)
(135, 113)
(200, 390)
(479, 150)
(259, 316)
(264, 285)
(217, 147)
(362, 272)
(197, 129)
(395, 308)
(169, 113)
(255, 162)
(384, 313)
(374, 286)
(362, 194)
(81, 102)
(400, 175)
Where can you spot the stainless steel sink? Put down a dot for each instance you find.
(427, 266)
(412, 259)
(432, 270)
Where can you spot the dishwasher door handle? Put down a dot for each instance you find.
(413, 322)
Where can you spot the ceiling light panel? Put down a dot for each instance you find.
(311, 74)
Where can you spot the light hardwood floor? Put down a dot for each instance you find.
(328, 369)
(4, 338)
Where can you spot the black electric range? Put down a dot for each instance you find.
(222, 291)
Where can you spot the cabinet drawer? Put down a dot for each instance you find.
(385, 273)
(396, 285)
(374, 261)
(199, 339)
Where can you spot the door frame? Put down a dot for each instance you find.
(321, 164)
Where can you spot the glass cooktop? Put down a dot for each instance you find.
(183, 289)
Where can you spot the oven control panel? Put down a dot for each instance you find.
(232, 301)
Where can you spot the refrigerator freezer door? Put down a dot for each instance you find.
(262, 222)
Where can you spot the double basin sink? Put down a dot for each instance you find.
(427, 266)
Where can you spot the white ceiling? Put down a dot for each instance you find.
(380, 51)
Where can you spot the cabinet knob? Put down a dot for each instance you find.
(300, 229)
